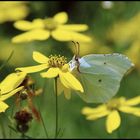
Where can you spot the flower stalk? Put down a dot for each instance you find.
(56, 108)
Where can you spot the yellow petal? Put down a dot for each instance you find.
(95, 113)
(3, 106)
(51, 73)
(137, 113)
(27, 25)
(23, 25)
(60, 87)
(40, 58)
(32, 35)
(61, 17)
(63, 89)
(69, 81)
(133, 101)
(129, 109)
(67, 35)
(33, 69)
(74, 27)
(11, 82)
(8, 95)
(98, 115)
(65, 68)
(89, 110)
(113, 121)
(67, 93)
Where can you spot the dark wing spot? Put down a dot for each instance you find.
(104, 62)
(100, 80)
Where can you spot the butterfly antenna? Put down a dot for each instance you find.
(77, 46)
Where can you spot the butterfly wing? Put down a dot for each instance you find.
(101, 75)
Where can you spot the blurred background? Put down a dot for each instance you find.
(113, 27)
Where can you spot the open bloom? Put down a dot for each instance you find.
(56, 66)
(42, 29)
(10, 86)
(133, 53)
(128, 30)
(11, 11)
(111, 110)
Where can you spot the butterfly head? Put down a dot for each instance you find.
(73, 64)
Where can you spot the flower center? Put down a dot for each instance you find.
(113, 104)
(57, 61)
(50, 24)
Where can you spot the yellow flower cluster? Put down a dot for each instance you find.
(41, 29)
(56, 66)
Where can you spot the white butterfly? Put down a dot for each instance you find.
(100, 74)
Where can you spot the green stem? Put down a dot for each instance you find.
(45, 129)
(41, 117)
(56, 108)
(23, 136)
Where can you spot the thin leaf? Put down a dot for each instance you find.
(6, 61)
(12, 128)
(60, 132)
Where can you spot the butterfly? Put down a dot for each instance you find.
(99, 74)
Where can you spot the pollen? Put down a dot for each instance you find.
(57, 61)
(50, 24)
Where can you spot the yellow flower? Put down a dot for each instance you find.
(42, 29)
(10, 86)
(57, 67)
(12, 11)
(126, 31)
(111, 110)
(134, 53)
